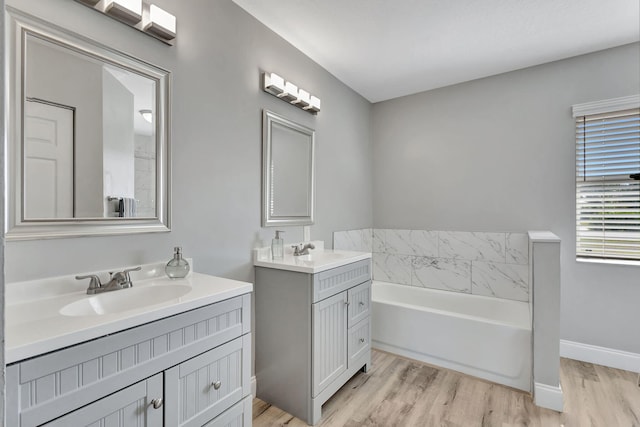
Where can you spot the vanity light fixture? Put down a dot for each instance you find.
(147, 115)
(289, 92)
(139, 14)
(161, 23)
(129, 11)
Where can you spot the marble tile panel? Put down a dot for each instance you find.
(412, 242)
(471, 246)
(392, 268)
(379, 237)
(353, 240)
(510, 281)
(442, 273)
(517, 248)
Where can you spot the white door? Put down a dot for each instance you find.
(48, 161)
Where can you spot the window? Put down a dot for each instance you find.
(608, 179)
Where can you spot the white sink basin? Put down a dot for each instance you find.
(124, 300)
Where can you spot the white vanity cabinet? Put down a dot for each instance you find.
(312, 334)
(190, 369)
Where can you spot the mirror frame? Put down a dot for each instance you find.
(20, 25)
(268, 118)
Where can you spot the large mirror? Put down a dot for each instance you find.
(88, 147)
(287, 172)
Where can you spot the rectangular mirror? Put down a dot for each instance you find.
(287, 172)
(88, 150)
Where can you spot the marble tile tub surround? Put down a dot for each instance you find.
(480, 263)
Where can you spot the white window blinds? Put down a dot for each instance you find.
(608, 185)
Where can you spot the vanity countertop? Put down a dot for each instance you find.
(318, 260)
(35, 323)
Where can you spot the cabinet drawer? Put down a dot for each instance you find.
(359, 340)
(201, 388)
(239, 415)
(129, 407)
(46, 387)
(359, 303)
(339, 279)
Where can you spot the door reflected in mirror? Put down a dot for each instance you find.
(88, 150)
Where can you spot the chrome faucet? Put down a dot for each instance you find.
(302, 249)
(119, 280)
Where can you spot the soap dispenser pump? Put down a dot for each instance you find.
(277, 246)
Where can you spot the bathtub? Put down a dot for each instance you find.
(485, 337)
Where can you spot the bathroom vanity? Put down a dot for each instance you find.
(312, 327)
(180, 359)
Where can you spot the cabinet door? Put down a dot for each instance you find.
(329, 340)
(130, 407)
(201, 388)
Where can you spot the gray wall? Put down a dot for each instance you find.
(216, 137)
(498, 154)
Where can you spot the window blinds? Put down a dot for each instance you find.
(607, 198)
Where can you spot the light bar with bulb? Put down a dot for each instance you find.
(161, 23)
(275, 85)
(129, 11)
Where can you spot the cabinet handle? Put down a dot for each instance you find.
(347, 303)
(361, 340)
(216, 385)
(157, 403)
(361, 304)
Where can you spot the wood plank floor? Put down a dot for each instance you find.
(405, 393)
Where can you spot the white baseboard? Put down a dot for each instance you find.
(254, 386)
(547, 396)
(612, 358)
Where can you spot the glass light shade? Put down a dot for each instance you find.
(314, 103)
(127, 10)
(161, 23)
(273, 83)
(303, 98)
(291, 89)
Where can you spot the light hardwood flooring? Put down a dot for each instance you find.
(406, 393)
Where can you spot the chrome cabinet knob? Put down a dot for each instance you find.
(216, 385)
(361, 304)
(362, 340)
(157, 403)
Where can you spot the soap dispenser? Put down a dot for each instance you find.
(277, 246)
(178, 267)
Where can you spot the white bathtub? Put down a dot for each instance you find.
(481, 336)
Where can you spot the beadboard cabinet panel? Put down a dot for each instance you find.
(329, 333)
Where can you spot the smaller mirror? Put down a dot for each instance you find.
(287, 172)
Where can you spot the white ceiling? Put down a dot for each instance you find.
(384, 49)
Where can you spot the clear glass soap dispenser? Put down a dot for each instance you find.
(178, 267)
(277, 246)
